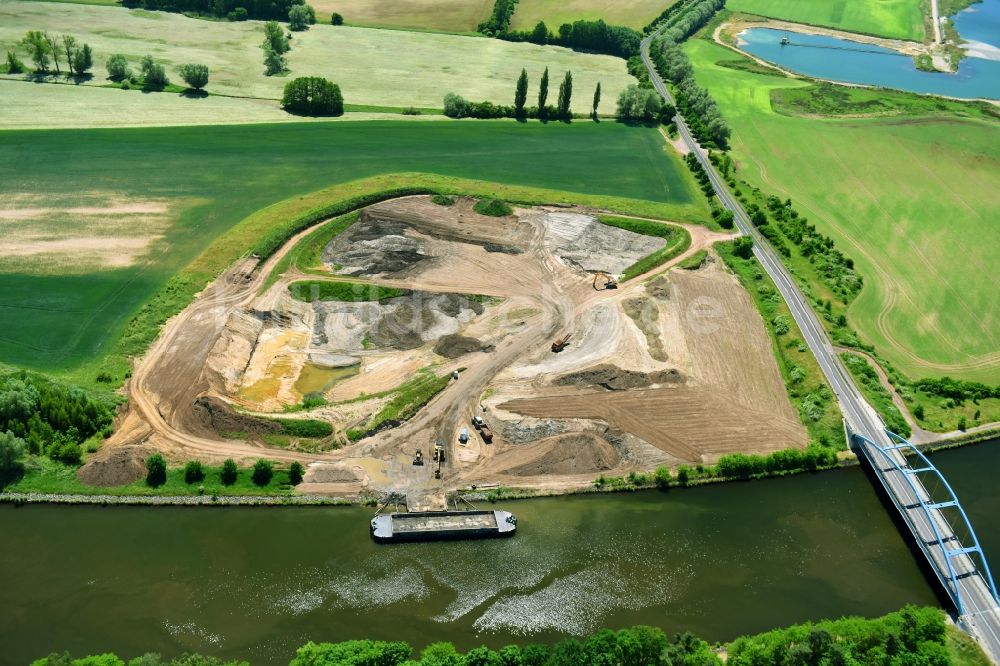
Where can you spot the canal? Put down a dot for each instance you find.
(255, 583)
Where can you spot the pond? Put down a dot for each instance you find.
(837, 59)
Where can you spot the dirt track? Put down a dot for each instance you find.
(543, 296)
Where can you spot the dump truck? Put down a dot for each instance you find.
(477, 422)
(486, 433)
(560, 343)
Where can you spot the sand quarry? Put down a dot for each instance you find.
(674, 367)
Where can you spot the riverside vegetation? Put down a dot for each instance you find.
(909, 636)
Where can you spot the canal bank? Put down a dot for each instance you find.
(720, 560)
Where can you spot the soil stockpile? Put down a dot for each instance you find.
(411, 320)
(613, 378)
(453, 346)
(121, 465)
(373, 246)
(574, 453)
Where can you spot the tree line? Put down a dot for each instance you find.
(456, 106)
(597, 36)
(235, 10)
(911, 636)
(695, 102)
(46, 51)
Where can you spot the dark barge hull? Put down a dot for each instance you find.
(442, 526)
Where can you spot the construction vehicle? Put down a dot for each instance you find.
(418, 457)
(609, 281)
(486, 433)
(560, 343)
(439, 452)
(463, 435)
(477, 422)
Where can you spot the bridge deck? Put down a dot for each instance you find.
(968, 585)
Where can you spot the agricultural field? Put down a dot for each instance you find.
(908, 196)
(96, 221)
(632, 13)
(896, 19)
(372, 67)
(436, 15)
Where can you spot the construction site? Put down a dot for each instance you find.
(446, 350)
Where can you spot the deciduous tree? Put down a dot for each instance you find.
(38, 46)
(313, 96)
(118, 68)
(229, 472)
(156, 471)
(82, 61)
(196, 76)
(263, 471)
(295, 473)
(540, 35)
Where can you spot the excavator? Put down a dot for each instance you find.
(605, 279)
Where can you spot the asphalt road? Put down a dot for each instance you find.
(981, 615)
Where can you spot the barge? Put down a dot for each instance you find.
(442, 525)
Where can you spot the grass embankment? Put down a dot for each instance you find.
(896, 19)
(309, 291)
(632, 13)
(47, 477)
(79, 324)
(406, 401)
(867, 380)
(367, 61)
(880, 187)
(829, 100)
(807, 388)
(695, 261)
(678, 240)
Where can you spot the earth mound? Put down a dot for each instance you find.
(219, 416)
(572, 453)
(613, 378)
(455, 345)
(120, 466)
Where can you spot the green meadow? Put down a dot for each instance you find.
(61, 319)
(897, 19)
(909, 195)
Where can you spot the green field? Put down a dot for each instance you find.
(375, 67)
(633, 13)
(195, 183)
(897, 19)
(912, 199)
(439, 15)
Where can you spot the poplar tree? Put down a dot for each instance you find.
(543, 93)
(597, 100)
(521, 94)
(565, 95)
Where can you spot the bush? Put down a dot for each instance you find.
(313, 96)
(336, 19)
(295, 473)
(154, 75)
(493, 208)
(443, 200)
(14, 64)
(229, 472)
(455, 106)
(156, 471)
(238, 14)
(743, 247)
(66, 452)
(194, 472)
(11, 450)
(662, 477)
(263, 472)
(312, 428)
(196, 76)
(411, 111)
(118, 69)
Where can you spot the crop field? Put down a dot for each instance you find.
(376, 67)
(633, 13)
(439, 15)
(162, 194)
(897, 19)
(910, 198)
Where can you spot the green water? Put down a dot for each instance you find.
(256, 583)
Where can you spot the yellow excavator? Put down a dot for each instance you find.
(606, 279)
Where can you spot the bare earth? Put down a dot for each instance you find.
(602, 405)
